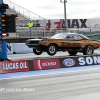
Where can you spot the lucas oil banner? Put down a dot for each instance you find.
(14, 66)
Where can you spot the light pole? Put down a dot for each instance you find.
(64, 10)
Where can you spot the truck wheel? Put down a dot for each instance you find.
(37, 52)
(72, 52)
(89, 50)
(52, 49)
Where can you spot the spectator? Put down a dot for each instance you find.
(47, 28)
(64, 28)
(59, 27)
(16, 15)
(34, 26)
(49, 22)
(38, 25)
(30, 24)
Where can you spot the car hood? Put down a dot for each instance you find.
(41, 39)
(34, 39)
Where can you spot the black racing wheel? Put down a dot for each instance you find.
(37, 52)
(89, 50)
(52, 49)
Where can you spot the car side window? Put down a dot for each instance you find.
(79, 37)
(76, 37)
(69, 37)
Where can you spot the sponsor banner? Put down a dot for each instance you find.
(79, 61)
(14, 66)
(46, 64)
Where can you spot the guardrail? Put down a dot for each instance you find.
(25, 32)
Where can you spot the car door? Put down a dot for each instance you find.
(72, 41)
(77, 41)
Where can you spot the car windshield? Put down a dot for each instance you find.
(59, 36)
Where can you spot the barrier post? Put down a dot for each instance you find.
(3, 51)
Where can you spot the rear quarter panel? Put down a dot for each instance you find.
(85, 43)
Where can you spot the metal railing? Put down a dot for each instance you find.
(23, 11)
(36, 32)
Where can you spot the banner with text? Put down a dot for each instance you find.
(79, 61)
(14, 66)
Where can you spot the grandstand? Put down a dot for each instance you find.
(25, 16)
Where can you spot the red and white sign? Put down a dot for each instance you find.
(14, 66)
(46, 64)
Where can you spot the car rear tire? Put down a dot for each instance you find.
(52, 49)
(89, 50)
(72, 52)
(37, 52)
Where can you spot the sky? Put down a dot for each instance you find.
(54, 9)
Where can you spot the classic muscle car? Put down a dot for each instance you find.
(71, 42)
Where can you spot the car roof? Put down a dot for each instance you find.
(68, 33)
(72, 33)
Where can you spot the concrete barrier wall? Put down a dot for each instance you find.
(66, 62)
(18, 48)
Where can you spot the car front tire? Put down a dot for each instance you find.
(52, 49)
(89, 50)
(37, 52)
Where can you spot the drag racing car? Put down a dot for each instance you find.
(71, 42)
